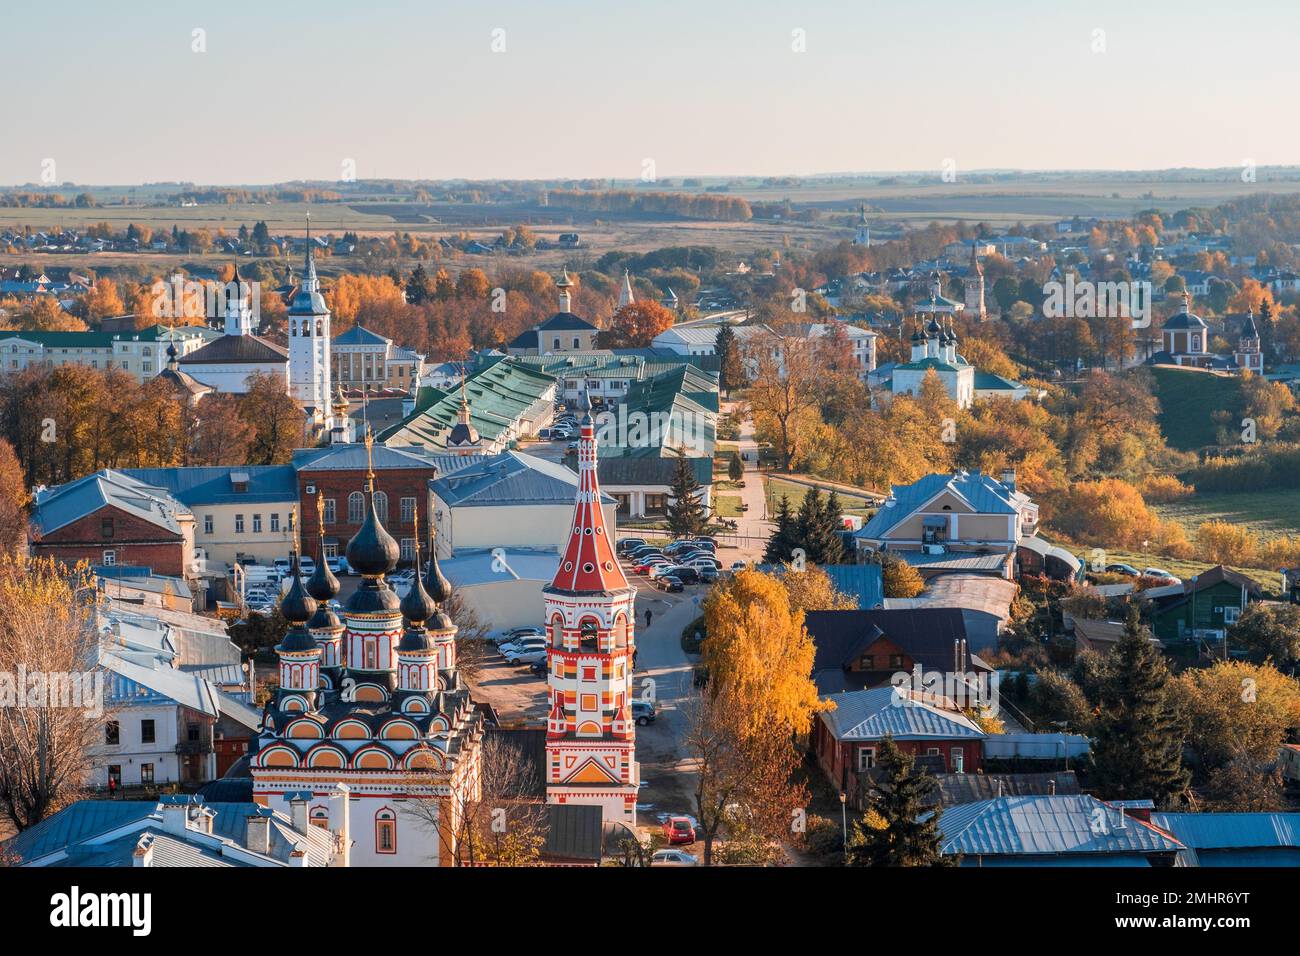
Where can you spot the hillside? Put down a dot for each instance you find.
(1188, 400)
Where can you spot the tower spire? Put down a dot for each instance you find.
(310, 283)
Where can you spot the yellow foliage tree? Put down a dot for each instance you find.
(759, 655)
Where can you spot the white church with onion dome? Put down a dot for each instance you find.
(934, 349)
(1185, 342)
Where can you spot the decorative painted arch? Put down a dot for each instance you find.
(589, 728)
(415, 705)
(327, 756)
(372, 758)
(385, 830)
(424, 758)
(440, 723)
(399, 729)
(293, 705)
(350, 729)
(369, 694)
(278, 757)
(305, 727)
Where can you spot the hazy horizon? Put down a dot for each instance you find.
(576, 90)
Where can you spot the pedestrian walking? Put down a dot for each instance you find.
(648, 615)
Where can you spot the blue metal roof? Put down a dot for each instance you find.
(861, 581)
(267, 484)
(984, 493)
(884, 712)
(1217, 831)
(1044, 825)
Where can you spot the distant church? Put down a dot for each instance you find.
(225, 363)
(1185, 341)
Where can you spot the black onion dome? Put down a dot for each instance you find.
(372, 550)
(414, 638)
(324, 618)
(323, 585)
(373, 596)
(417, 606)
(440, 621)
(435, 582)
(297, 605)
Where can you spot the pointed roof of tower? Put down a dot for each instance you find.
(308, 299)
(1248, 329)
(588, 565)
(297, 606)
(625, 296)
(975, 267)
(372, 550)
(564, 282)
(417, 606)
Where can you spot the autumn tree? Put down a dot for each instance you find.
(103, 301)
(810, 589)
(785, 391)
(277, 421)
(1270, 631)
(45, 745)
(900, 579)
(636, 324)
(731, 367)
(13, 502)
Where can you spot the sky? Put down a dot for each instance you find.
(285, 90)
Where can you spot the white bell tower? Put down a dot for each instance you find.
(309, 344)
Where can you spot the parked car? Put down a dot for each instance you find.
(713, 564)
(643, 712)
(526, 656)
(643, 550)
(670, 584)
(1123, 569)
(708, 575)
(738, 566)
(685, 573)
(1162, 574)
(282, 565)
(537, 668)
(630, 544)
(679, 830)
(338, 564)
(645, 567)
(658, 570)
(673, 858)
(307, 564)
(522, 644)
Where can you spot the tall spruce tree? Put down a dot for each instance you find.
(1138, 748)
(900, 798)
(832, 545)
(686, 514)
(781, 545)
(810, 526)
(730, 372)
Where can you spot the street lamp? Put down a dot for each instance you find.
(844, 823)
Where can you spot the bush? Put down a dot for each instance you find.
(1161, 489)
(690, 643)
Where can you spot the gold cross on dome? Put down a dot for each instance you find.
(370, 459)
(320, 512)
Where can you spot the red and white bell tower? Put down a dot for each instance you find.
(590, 616)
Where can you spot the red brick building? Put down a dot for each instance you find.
(109, 518)
(847, 739)
(338, 474)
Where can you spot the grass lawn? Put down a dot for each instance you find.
(728, 506)
(1265, 514)
(775, 488)
(1187, 400)
(1270, 581)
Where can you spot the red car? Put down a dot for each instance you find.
(679, 830)
(645, 566)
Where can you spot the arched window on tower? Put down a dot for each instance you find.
(588, 635)
(318, 326)
(381, 507)
(356, 507)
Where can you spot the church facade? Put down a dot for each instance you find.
(372, 701)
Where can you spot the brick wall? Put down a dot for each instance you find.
(132, 540)
(396, 483)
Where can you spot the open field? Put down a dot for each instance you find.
(1270, 581)
(1265, 514)
(775, 488)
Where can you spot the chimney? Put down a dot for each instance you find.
(298, 857)
(1051, 787)
(143, 853)
(343, 836)
(257, 833)
(203, 820)
(298, 809)
(1009, 479)
(175, 815)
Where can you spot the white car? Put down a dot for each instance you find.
(526, 656)
(307, 565)
(673, 858)
(1161, 573)
(523, 644)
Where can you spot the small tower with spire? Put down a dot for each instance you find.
(309, 344)
(863, 235)
(343, 431)
(239, 314)
(325, 626)
(463, 439)
(625, 296)
(1248, 356)
(565, 284)
(973, 285)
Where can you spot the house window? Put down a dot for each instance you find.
(656, 504)
(320, 817)
(114, 775)
(896, 662)
(356, 507)
(239, 524)
(958, 760)
(408, 549)
(110, 558)
(207, 524)
(147, 733)
(275, 521)
(329, 511)
(192, 732)
(257, 524)
(866, 758)
(146, 774)
(408, 510)
(112, 732)
(381, 506)
(1230, 615)
(106, 527)
(385, 831)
